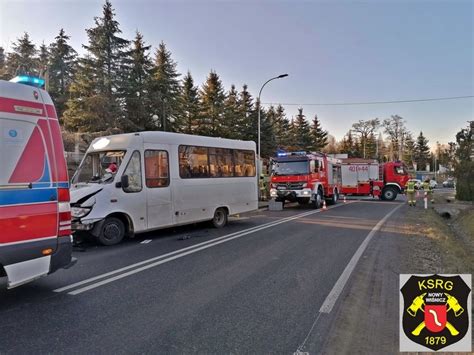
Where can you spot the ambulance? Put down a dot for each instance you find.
(35, 217)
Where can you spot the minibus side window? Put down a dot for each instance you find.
(134, 172)
(193, 162)
(221, 162)
(244, 163)
(156, 168)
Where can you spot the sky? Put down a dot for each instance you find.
(334, 51)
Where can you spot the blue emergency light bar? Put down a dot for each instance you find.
(288, 154)
(29, 80)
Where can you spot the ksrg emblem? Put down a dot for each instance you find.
(435, 312)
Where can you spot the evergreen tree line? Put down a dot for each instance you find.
(119, 84)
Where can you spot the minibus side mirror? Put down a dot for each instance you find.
(123, 182)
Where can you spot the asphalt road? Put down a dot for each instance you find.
(256, 286)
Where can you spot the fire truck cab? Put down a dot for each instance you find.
(306, 178)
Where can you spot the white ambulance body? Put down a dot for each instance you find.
(35, 219)
(137, 182)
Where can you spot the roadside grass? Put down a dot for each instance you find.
(455, 254)
(466, 223)
(453, 237)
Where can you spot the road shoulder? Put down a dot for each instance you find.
(414, 240)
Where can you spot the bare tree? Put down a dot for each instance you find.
(365, 129)
(396, 130)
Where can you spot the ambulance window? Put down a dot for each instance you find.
(134, 173)
(23, 140)
(156, 168)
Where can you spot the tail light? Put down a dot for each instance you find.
(64, 224)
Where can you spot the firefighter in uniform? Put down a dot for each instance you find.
(428, 190)
(411, 193)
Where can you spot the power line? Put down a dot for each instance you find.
(371, 102)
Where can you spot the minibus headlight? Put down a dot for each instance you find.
(79, 212)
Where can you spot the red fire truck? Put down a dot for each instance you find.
(365, 177)
(305, 178)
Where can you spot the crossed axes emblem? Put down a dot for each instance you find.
(418, 304)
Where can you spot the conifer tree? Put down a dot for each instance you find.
(371, 147)
(319, 137)
(212, 106)
(247, 118)
(464, 165)
(103, 71)
(61, 71)
(188, 118)
(422, 152)
(165, 88)
(347, 145)
(267, 132)
(301, 132)
(232, 121)
(3, 65)
(87, 108)
(357, 151)
(134, 91)
(282, 129)
(43, 62)
(22, 59)
(107, 51)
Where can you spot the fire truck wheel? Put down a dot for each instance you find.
(318, 200)
(334, 198)
(389, 194)
(112, 231)
(220, 218)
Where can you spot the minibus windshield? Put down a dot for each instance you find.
(99, 167)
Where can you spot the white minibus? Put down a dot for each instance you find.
(137, 182)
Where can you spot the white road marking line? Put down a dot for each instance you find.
(68, 287)
(175, 255)
(332, 297)
(146, 241)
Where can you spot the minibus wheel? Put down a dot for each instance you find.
(220, 218)
(113, 231)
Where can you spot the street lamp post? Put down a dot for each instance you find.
(258, 124)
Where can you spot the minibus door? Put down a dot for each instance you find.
(157, 183)
(132, 194)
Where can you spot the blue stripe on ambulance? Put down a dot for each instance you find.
(46, 175)
(16, 197)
